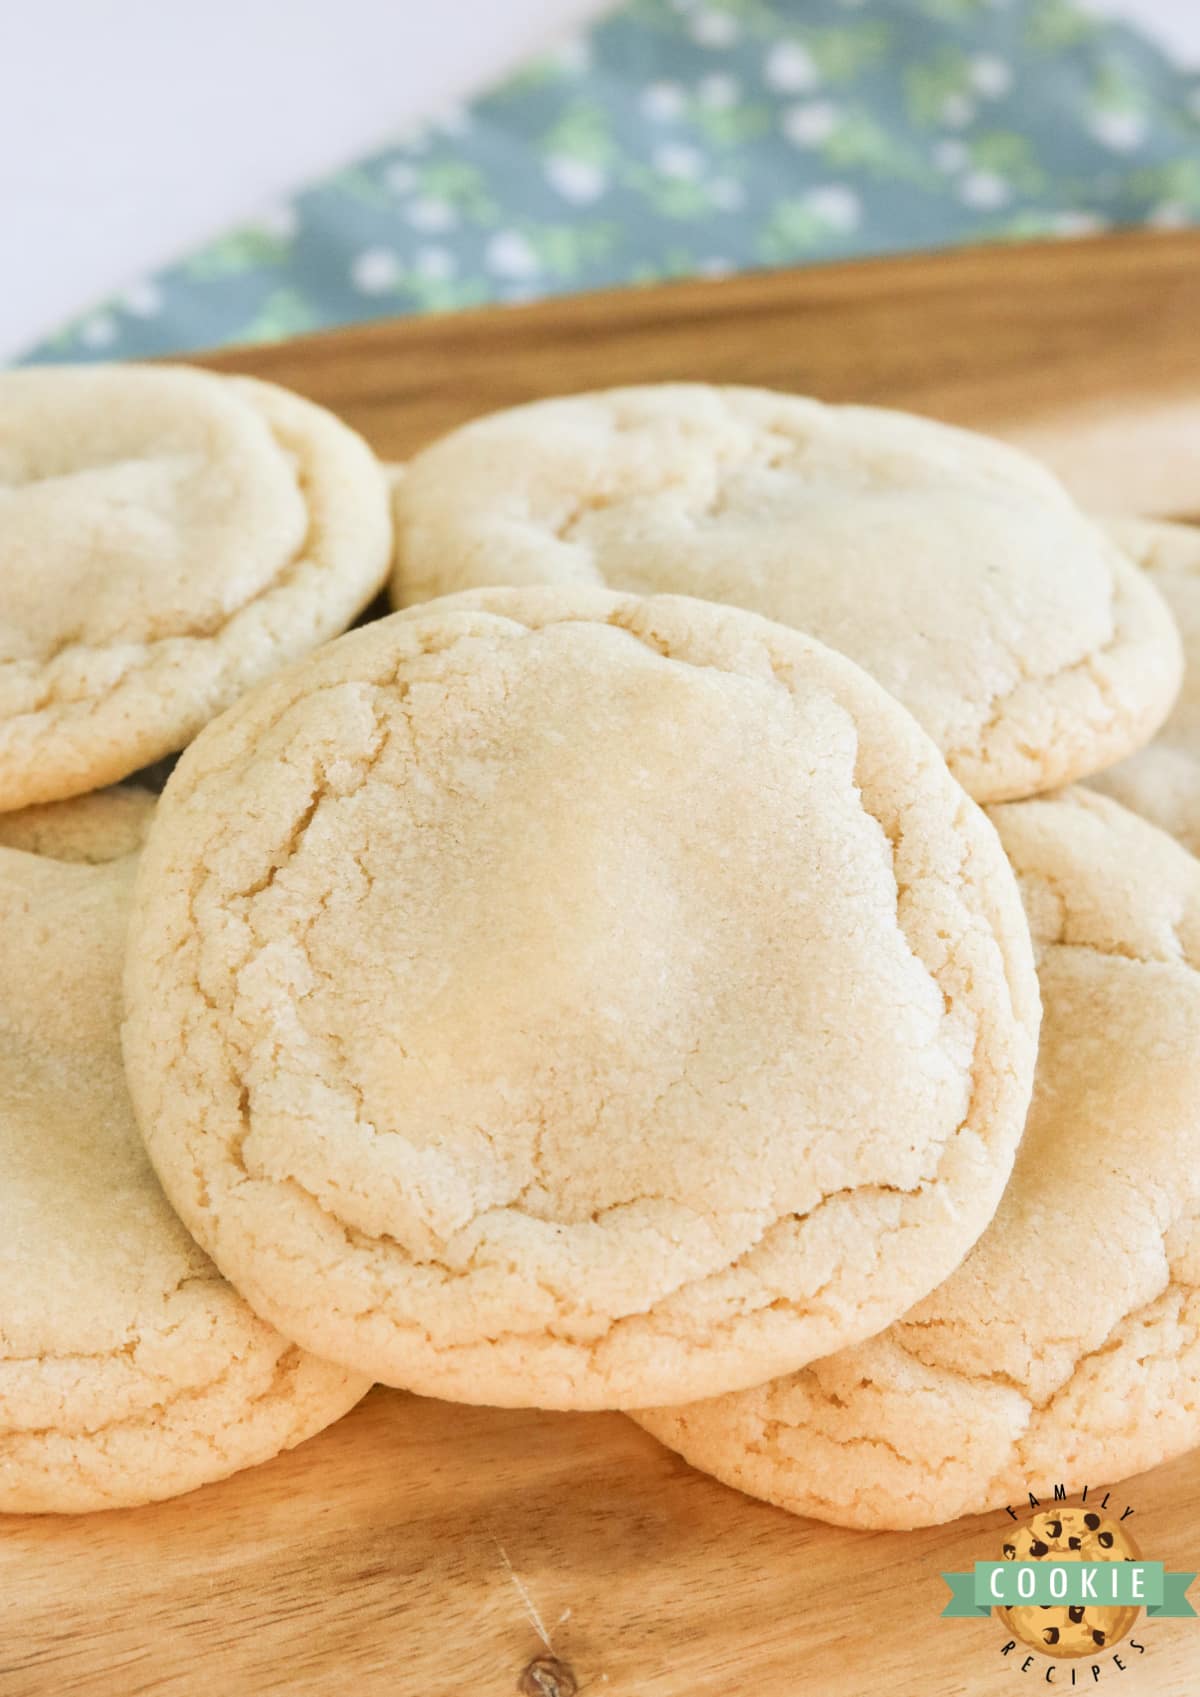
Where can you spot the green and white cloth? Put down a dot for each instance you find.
(697, 137)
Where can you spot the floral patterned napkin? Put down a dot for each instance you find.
(685, 137)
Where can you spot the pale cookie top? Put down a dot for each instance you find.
(166, 537)
(953, 568)
(91, 828)
(129, 1369)
(542, 997)
(1162, 782)
(1066, 1348)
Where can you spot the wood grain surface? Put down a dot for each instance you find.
(1088, 351)
(423, 1550)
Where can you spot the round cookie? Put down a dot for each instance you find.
(1065, 1348)
(1070, 1534)
(538, 998)
(167, 537)
(1162, 781)
(129, 1369)
(953, 568)
(91, 828)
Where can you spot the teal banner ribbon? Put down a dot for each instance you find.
(962, 1604)
(1174, 1604)
(1007, 1584)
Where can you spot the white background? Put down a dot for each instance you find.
(133, 129)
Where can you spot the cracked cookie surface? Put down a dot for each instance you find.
(1066, 1348)
(554, 998)
(90, 828)
(1162, 780)
(129, 1369)
(167, 537)
(953, 568)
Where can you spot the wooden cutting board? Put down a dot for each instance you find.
(424, 1550)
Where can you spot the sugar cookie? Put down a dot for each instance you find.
(1162, 781)
(129, 1369)
(953, 568)
(1066, 1348)
(91, 828)
(548, 997)
(167, 537)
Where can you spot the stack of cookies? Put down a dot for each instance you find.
(598, 984)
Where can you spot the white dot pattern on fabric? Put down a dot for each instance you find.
(951, 120)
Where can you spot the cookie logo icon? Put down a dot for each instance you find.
(1068, 1585)
(1070, 1629)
